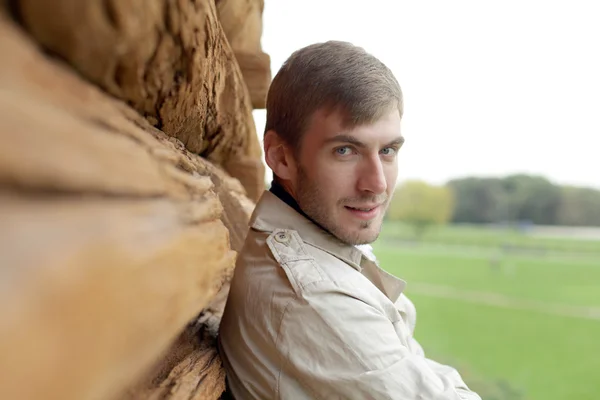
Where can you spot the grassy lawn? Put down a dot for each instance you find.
(539, 356)
(572, 282)
(492, 237)
(505, 351)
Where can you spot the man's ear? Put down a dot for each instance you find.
(279, 157)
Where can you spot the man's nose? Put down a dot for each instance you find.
(372, 176)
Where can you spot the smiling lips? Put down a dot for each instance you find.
(364, 212)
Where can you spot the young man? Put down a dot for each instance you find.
(310, 315)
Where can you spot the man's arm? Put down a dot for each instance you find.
(408, 308)
(338, 346)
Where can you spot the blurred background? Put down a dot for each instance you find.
(496, 221)
(129, 168)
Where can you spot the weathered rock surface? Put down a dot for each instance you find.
(242, 23)
(168, 59)
(114, 235)
(190, 371)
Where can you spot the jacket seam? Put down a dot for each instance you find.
(304, 285)
(281, 357)
(281, 364)
(347, 346)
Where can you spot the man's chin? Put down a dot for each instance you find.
(367, 239)
(356, 237)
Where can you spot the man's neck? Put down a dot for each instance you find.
(278, 190)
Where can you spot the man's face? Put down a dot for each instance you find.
(346, 176)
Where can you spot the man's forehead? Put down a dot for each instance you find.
(331, 125)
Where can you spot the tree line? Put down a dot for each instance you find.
(512, 199)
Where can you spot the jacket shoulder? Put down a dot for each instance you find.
(296, 258)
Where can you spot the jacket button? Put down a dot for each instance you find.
(282, 237)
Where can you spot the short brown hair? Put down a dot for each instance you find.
(330, 75)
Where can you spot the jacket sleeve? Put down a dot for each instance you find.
(408, 307)
(337, 346)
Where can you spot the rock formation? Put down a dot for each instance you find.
(129, 167)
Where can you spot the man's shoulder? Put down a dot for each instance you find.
(304, 265)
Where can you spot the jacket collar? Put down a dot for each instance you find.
(272, 213)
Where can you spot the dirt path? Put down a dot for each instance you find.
(498, 300)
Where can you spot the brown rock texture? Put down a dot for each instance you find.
(117, 238)
(168, 59)
(192, 359)
(242, 23)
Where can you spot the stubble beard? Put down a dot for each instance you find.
(311, 201)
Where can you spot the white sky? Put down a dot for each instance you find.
(490, 88)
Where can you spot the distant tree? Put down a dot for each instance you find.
(421, 205)
(532, 198)
(479, 200)
(523, 198)
(510, 199)
(579, 207)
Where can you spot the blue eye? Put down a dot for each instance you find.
(390, 151)
(343, 151)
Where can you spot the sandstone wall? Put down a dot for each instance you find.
(129, 167)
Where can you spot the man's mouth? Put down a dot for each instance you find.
(364, 212)
(361, 208)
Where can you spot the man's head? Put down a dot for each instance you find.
(332, 134)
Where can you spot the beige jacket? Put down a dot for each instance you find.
(309, 317)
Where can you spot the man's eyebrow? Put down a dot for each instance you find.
(344, 138)
(396, 142)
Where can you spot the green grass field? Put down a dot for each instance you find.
(516, 326)
(492, 238)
